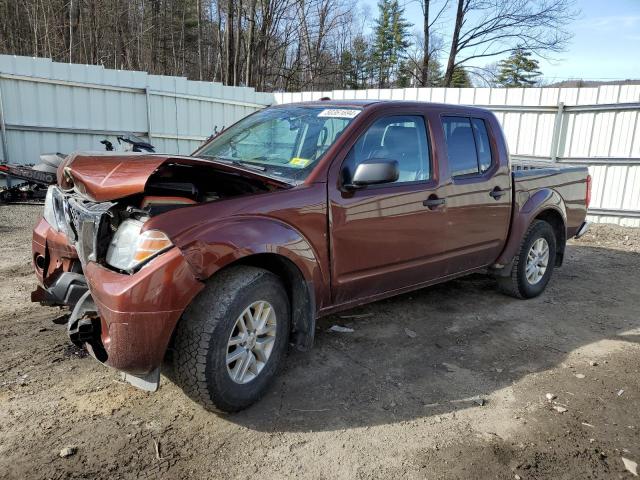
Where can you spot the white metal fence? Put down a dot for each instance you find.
(56, 107)
(597, 127)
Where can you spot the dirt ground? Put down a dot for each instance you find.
(446, 382)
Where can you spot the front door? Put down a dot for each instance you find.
(389, 236)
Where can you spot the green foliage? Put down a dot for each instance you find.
(435, 75)
(518, 70)
(390, 43)
(460, 78)
(355, 64)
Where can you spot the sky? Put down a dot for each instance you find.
(605, 43)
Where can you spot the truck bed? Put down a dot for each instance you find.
(569, 182)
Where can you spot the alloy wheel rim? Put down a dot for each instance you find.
(537, 261)
(251, 342)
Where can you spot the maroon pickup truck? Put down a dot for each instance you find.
(210, 265)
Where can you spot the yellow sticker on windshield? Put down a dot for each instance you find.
(299, 162)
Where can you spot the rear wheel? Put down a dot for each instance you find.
(533, 265)
(232, 339)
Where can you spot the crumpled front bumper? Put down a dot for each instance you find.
(136, 314)
(139, 312)
(57, 267)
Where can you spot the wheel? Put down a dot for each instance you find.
(533, 265)
(232, 339)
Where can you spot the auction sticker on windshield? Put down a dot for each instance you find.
(338, 113)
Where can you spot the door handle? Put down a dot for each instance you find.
(496, 193)
(433, 202)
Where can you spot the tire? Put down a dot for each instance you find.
(201, 342)
(518, 284)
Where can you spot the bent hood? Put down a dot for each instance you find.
(105, 177)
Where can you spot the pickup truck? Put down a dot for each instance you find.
(208, 266)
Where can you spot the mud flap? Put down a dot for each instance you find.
(148, 383)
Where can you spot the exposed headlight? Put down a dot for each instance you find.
(54, 209)
(130, 248)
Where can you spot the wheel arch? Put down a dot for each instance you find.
(272, 245)
(545, 204)
(554, 218)
(300, 291)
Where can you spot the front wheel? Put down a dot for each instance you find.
(533, 265)
(232, 339)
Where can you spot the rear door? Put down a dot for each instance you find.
(478, 194)
(386, 237)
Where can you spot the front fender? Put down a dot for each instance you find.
(223, 242)
(526, 209)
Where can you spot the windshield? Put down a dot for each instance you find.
(282, 142)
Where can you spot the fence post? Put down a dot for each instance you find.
(148, 104)
(558, 133)
(3, 130)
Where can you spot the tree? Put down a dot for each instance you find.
(433, 75)
(391, 41)
(427, 50)
(489, 28)
(355, 64)
(518, 70)
(460, 78)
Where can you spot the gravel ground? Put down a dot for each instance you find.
(445, 382)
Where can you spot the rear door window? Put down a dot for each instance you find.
(468, 148)
(482, 144)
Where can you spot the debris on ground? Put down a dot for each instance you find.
(479, 401)
(410, 333)
(559, 409)
(68, 451)
(340, 329)
(630, 465)
(551, 396)
(593, 363)
(358, 315)
(620, 392)
(579, 375)
(157, 449)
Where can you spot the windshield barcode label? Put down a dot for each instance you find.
(338, 113)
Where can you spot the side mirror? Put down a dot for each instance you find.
(374, 172)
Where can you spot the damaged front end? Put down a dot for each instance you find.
(125, 284)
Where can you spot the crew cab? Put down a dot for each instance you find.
(208, 266)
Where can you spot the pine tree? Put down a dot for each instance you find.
(460, 78)
(391, 41)
(355, 64)
(435, 74)
(518, 70)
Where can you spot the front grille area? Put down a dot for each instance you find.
(87, 226)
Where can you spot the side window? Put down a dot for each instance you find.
(468, 148)
(482, 143)
(461, 146)
(401, 138)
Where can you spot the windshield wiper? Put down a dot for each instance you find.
(240, 163)
(249, 165)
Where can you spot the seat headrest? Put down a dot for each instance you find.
(403, 140)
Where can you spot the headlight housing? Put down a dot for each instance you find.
(129, 248)
(54, 209)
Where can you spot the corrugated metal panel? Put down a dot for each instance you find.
(49, 106)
